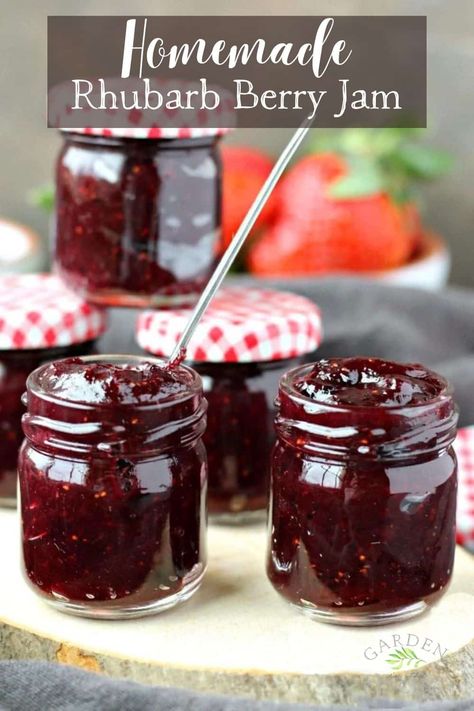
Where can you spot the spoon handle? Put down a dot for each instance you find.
(239, 238)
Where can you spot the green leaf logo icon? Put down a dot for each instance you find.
(404, 658)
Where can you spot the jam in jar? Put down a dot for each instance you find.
(245, 342)
(40, 321)
(148, 210)
(363, 490)
(113, 485)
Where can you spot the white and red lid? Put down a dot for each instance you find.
(39, 311)
(464, 446)
(154, 132)
(241, 325)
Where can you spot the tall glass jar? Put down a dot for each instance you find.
(113, 485)
(241, 348)
(364, 479)
(138, 219)
(40, 321)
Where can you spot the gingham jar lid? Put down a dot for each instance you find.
(241, 325)
(154, 132)
(464, 446)
(39, 311)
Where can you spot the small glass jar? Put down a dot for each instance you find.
(40, 321)
(113, 485)
(240, 435)
(245, 342)
(148, 210)
(363, 490)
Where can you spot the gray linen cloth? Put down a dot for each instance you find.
(39, 686)
(360, 318)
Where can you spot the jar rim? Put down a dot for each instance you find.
(287, 385)
(33, 383)
(163, 142)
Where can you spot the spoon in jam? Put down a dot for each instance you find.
(227, 259)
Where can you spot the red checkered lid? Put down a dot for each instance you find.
(464, 446)
(241, 325)
(155, 132)
(39, 311)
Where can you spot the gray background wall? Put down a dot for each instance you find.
(28, 148)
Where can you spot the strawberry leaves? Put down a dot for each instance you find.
(43, 197)
(364, 178)
(390, 160)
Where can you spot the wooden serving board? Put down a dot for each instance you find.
(236, 636)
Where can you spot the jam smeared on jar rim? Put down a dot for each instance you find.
(108, 383)
(370, 382)
(175, 362)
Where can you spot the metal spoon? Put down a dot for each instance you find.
(234, 247)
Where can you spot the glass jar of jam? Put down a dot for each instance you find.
(241, 348)
(147, 209)
(363, 490)
(40, 320)
(113, 485)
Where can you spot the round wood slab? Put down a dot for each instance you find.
(236, 636)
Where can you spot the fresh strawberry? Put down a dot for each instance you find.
(317, 232)
(244, 172)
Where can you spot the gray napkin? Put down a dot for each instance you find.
(38, 686)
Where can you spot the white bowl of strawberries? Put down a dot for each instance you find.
(344, 211)
(428, 268)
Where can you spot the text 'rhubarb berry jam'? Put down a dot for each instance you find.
(148, 209)
(364, 477)
(113, 485)
(244, 343)
(40, 321)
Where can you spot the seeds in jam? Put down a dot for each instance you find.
(369, 382)
(363, 487)
(113, 480)
(137, 219)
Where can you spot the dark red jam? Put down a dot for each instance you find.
(113, 485)
(363, 490)
(240, 434)
(15, 367)
(149, 211)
